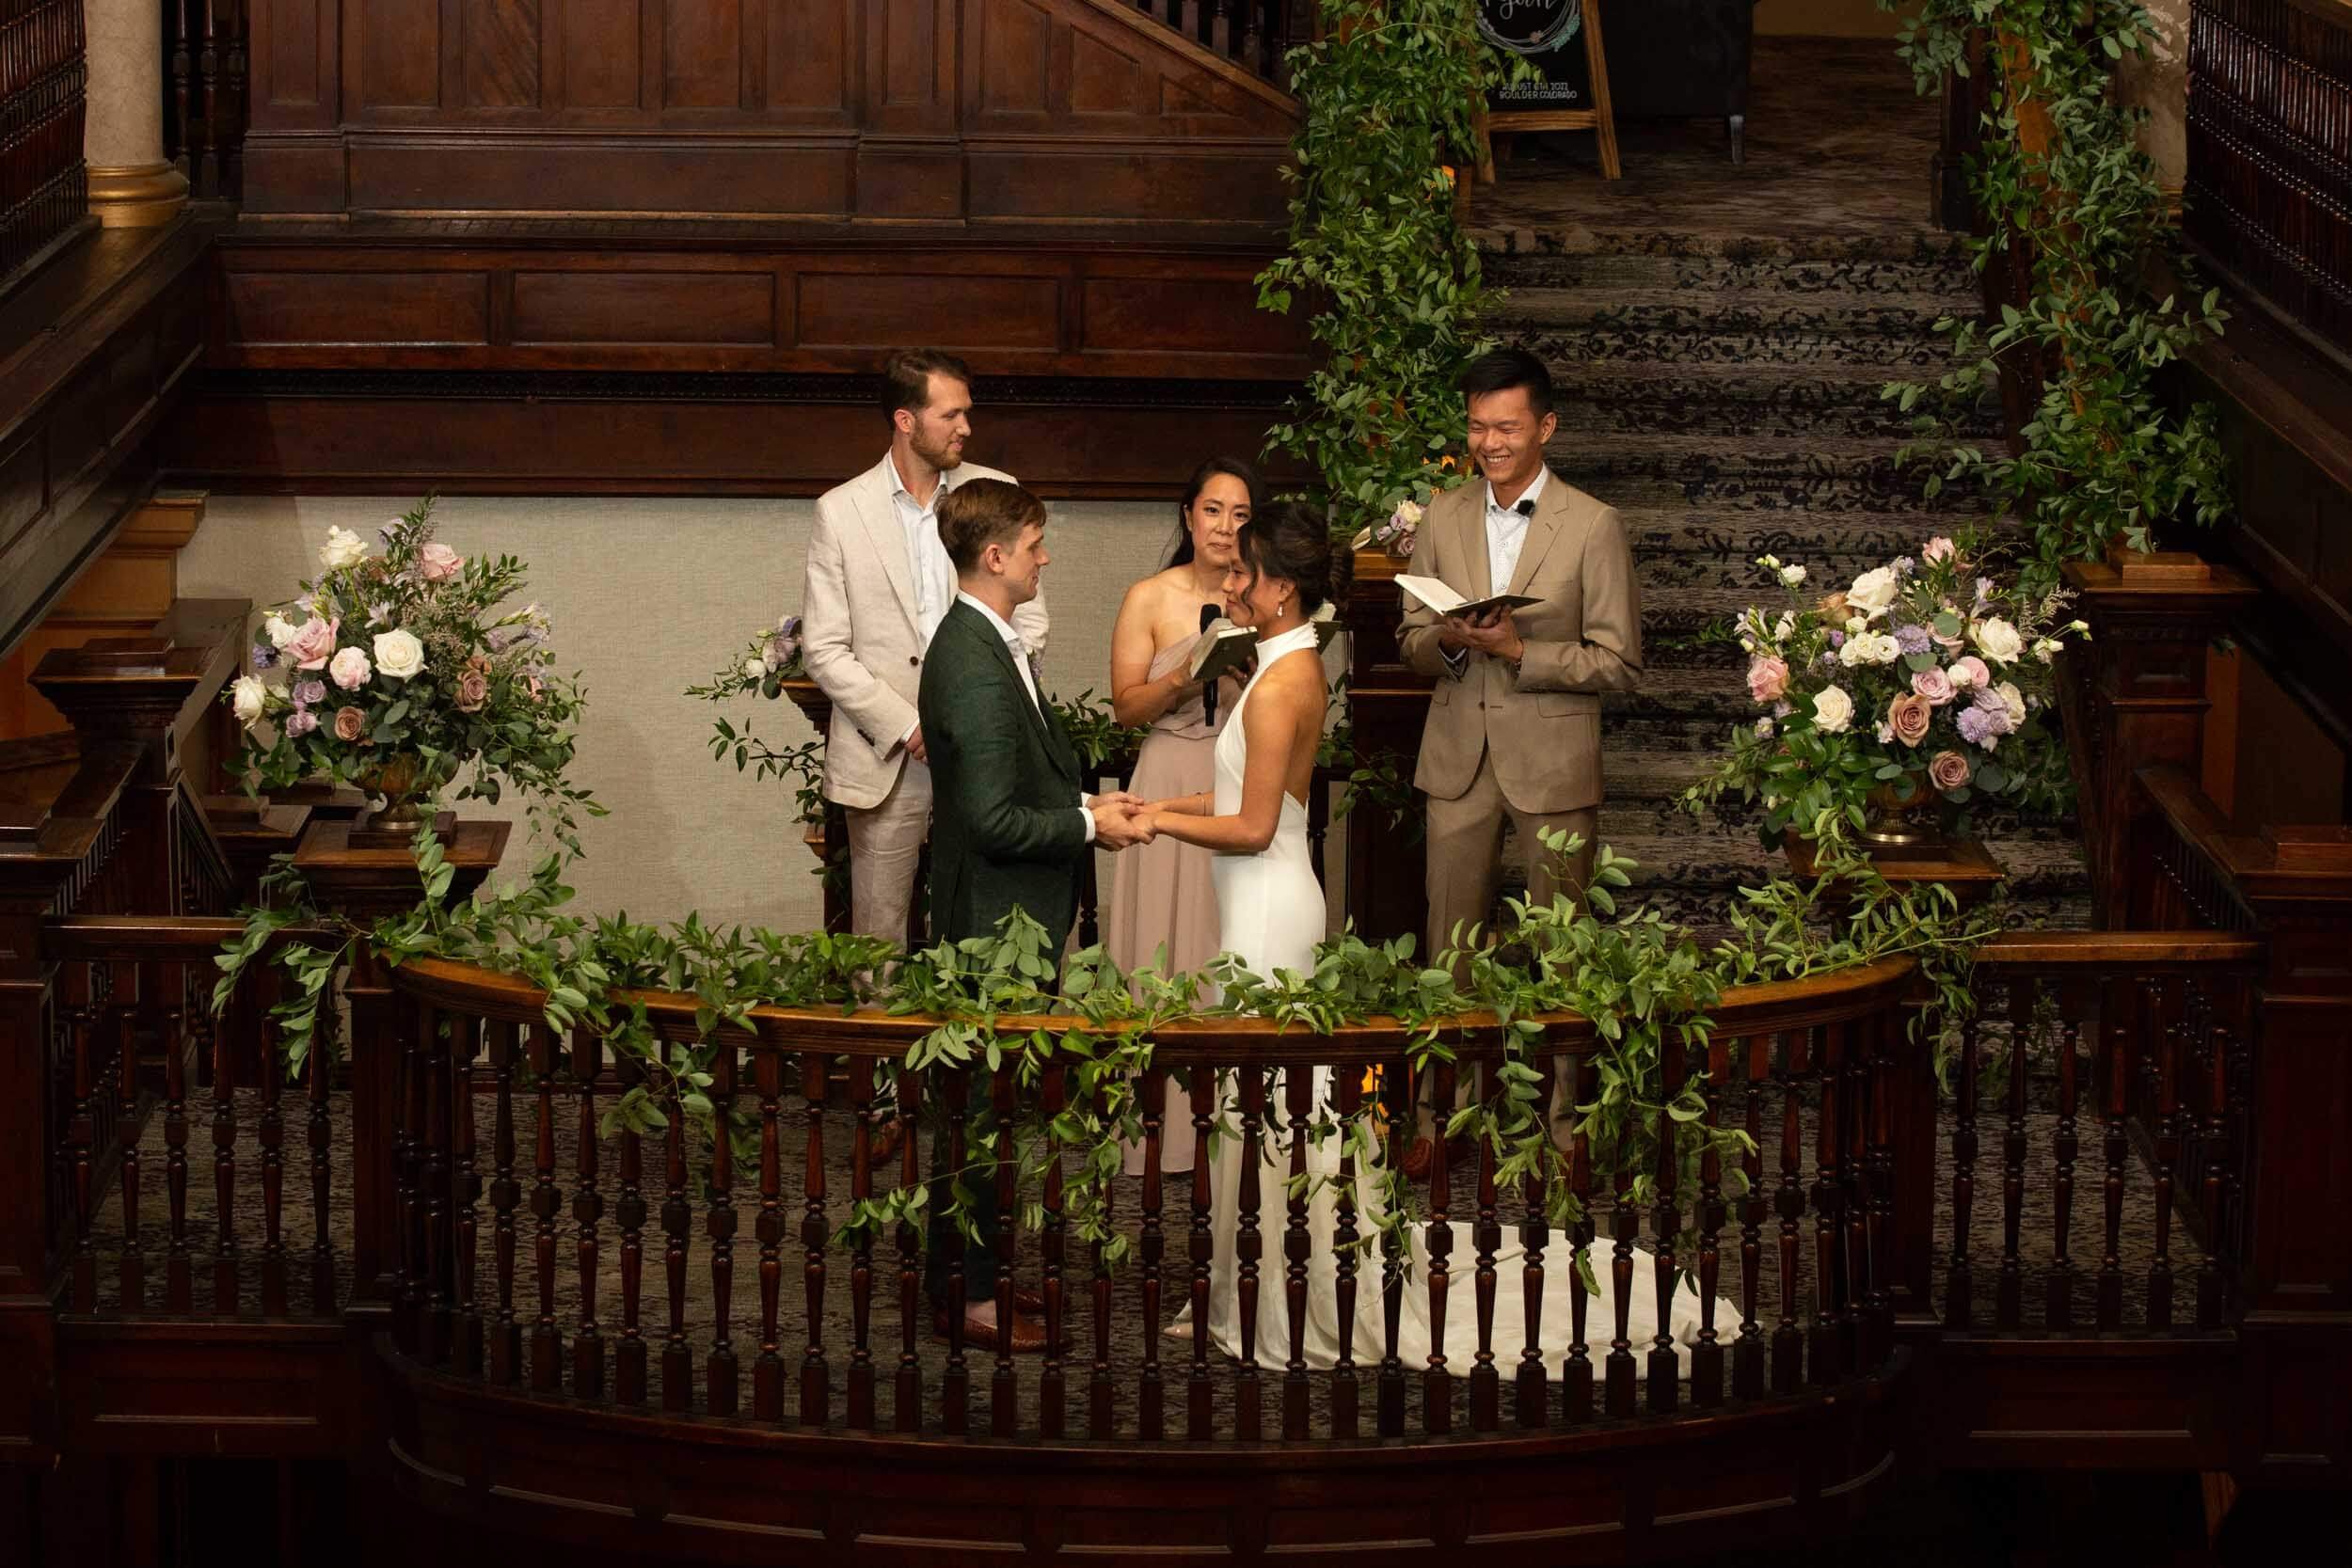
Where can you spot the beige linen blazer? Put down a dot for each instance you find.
(858, 632)
(1542, 725)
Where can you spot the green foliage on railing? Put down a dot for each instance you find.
(2063, 189)
(1387, 95)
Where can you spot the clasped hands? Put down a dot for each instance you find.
(1492, 633)
(1122, 818)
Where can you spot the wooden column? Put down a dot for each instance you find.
(2135, 696)
(365, 884)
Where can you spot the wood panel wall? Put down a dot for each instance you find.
(954, 112)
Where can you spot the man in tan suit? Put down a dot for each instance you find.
(877, 583)
(1513, 723)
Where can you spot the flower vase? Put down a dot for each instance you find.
(408, 789)
(1906, 827)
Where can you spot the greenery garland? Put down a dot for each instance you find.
(2063, 190)
(1388, 93)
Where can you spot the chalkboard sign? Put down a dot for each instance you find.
(1550, 36)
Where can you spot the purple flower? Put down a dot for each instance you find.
(315, 692)
(1903, 565)
(1836, 639)
(301, 722)
(264, 656)
(1912, 640)
(1984, 591)
(1976, 727)
(379, 614)
(1782, 710)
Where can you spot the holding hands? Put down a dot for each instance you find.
(1120, 819)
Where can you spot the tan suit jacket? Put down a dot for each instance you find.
(858, 632)
(1543, 725)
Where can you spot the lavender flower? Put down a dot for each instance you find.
(1994, 708)
(1836, 639)
(1763, 729)
(1903, 565)
(1976, 727)
(301, 722)
(1783, 709)
(1912, 640)
(1984, 592)
(315, 692)
(264, 656)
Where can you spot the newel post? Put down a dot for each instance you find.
(2134, 697)
(365, 882)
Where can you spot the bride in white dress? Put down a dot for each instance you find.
(1271, 911)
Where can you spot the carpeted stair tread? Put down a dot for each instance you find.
(1568, 348)
(1903, 318)
(1632, 274)
(1502, 246)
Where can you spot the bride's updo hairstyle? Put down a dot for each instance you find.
(1291, 543)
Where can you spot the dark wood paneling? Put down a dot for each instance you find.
(397, 51)
(1146, 181)
(644, 308)
(418, 172)
(354, 308)
(601, 46)
(500, 60)
(979, 312)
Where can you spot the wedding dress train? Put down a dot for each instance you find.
(1271, 911)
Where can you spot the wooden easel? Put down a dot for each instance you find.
(1598, 118)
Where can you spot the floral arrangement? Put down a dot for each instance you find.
(762, 668)
(1403, 527)
(399, 667)
(1923, 683)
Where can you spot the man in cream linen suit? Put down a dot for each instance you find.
(877, 584)
(1513, 723)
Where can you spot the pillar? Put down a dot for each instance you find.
(131, 186)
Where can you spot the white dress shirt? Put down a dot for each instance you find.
(1507, 532)
(934, 574)
(1020, 653)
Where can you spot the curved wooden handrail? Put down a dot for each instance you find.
(1210, 1040)
(2164, 951)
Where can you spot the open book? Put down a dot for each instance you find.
(1225, 647)
(1445, 601)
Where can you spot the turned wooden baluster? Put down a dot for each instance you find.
(1053, 1407)
(2218, 1152)
(1747, 1352)
(1619, 1379)
(588, 1213)
(179, 1260)
(319, 1135)
(2008, 1290)
(466, 1343)
(180, 130)
(721, 1371)
(431, 1262)
(1207, 1093)
(132, 1279)
(1297, 1247)
(906, 1390)
(2058, 1310)
(270, 1134)
(1531, 1408)
(955, 1382)
(224, 1160)
(1004, 1391)
(1664, 1367)
(629, 1357)
(546, 1201)
(1877, 1325)
(1706, 1357)
(1822, 1358)
(2166, 1137)
(506, 1334)
(1486, 1384)
(1575, 1372)
(1961, 1281)
(2115, 1036)
(207, 176)
(1101, 1390)
(1789, 1198)
(1151, 1247)
(860, 1376)
(768, 1365)
(77, 1019)
(815, 1375)
(1403, 1082)
(1854, 1320)
(678, 1231)
(1437, 1382)
(1249, 1246)
(1350, 1100)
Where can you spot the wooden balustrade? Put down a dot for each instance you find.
(204, 120)
(2269, 180)
(44, 191)
(1253, 34)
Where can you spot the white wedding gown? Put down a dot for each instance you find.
(1271, 911)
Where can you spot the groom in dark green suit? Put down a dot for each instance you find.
(1010, 825)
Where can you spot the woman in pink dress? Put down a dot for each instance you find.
(1161, 895)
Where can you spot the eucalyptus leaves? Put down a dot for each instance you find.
(2066, 193)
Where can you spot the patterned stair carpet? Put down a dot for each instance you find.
(1719, 364)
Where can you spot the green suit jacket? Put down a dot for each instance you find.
(1006, 830)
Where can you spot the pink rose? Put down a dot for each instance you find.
(1948, 770)
(301, 722)
(1934, 685)
(1937, 548)
(438, 563)
(474, 690)
(1909, 715)
(312, 644)
(1969, 673)
(350, 723)
(1768, 677)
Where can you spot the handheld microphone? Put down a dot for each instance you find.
(1210, 614)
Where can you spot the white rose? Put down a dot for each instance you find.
(1857, 625)
(1873, 590)
(1855, 651)
(280, 632)
(1791, 575)
(399, 655)
(1833, 710)
(1998, 641)
(343, 549)
(248, 697)
(2015, 700)
(754, 667)
(349, 669)
(2047, 648)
